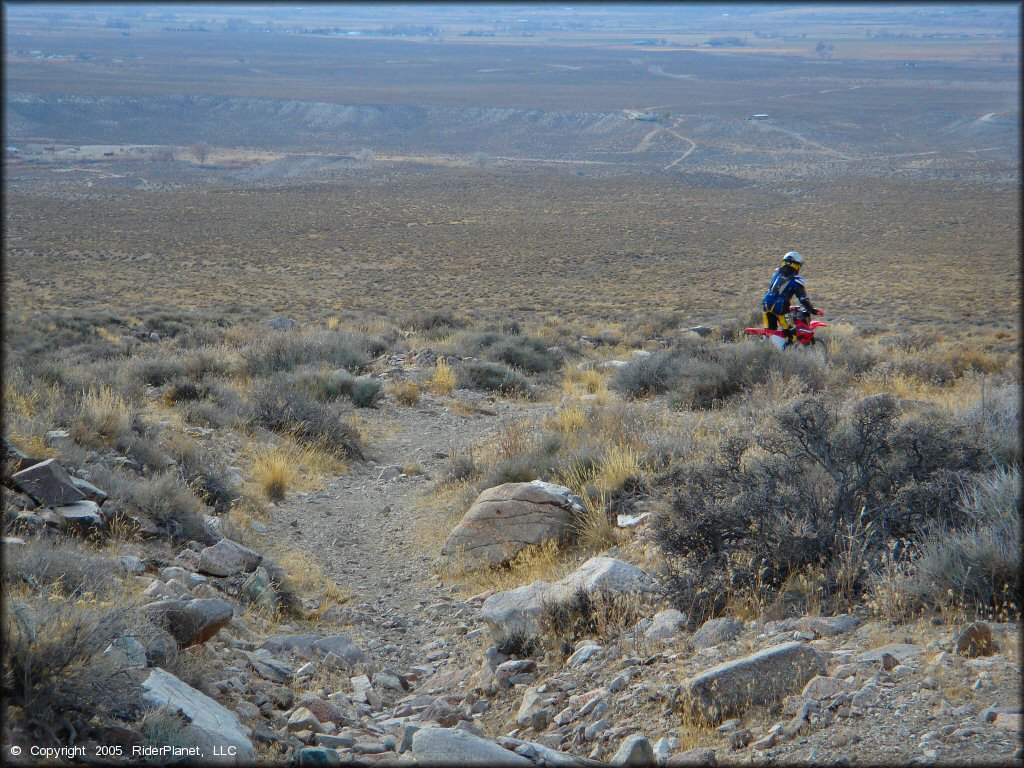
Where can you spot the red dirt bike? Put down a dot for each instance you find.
(805, 328)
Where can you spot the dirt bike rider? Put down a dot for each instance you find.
(786, 283)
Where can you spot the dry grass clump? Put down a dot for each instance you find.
(285, 467)
(544, 562)
(600, 615)
(405, 392)
(103, 417)
(569, 420)
(443, 380)
(273, 472)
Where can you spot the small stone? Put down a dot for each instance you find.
(617, 683)
(765, 742)
(584, 654)
(635, 751)
(975, 640)
(729, 725)
(740, 739)
(702, 756)
(303, 720)
(716, 631)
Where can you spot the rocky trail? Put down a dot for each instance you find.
(364, 528)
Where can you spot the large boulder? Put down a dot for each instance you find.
(228, 558)
(48, 483)
(763, 677)
(190, 622)
(453, 746)
(516, 611)
(507, 518)
(222, 737)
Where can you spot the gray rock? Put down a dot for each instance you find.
(829, 626)
(228, 558)
(454, 747)
(716, 631)
(975, 640)
(666, 625)
(92, 493)
(702, 756)
(313, 757)
(902, 651)
(760, 678)
(131, 564)
(219, 728)
(260, 591)
(126, 652)
(346, 654)
(634, 752)
(584, 654)
(516, 611)
(48, 483)
(193, 621)
(507, 518)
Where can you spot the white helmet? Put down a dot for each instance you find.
(793, 259)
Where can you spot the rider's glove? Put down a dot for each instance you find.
(819, 311)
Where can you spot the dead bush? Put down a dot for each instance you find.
(57, 684)
(977, 567)
(647, 375)
(520, 352)
(284, 351)
(760, 510)
(281, 408)
(67, 567)
(166, 501)
(493, 377)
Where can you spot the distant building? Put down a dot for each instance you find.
(11, 150)
(759, 116)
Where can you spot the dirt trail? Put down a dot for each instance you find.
(366, 531)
